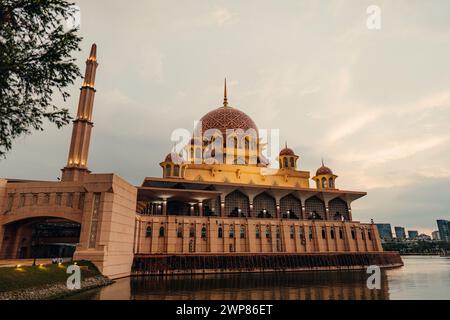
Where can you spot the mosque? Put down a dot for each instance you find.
(218, 207)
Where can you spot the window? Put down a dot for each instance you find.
(301, 233)
(192, 231)
(341, 234)
(58, 199)
(331, 183)
(180, 231)
(310, 233)
(369, 234)
(204, 232)
(232, 231)
(161, 231)
(324, 183)
(292, 232)
(70, 200)
(286, 162)
(278, 232)
(324, 234)
(242, 232)
(148, 232)
(47, 198)
(267, 231)
(353, 234)
(258, 232)
(363, 235)
(220, 233)
(292, 163)
(81, 201)
(332, 233)
(176, 170)
(10, 201)
(34, 199)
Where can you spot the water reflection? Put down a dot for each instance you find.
(349, 285)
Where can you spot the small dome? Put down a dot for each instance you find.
(287, 152)
(175, 158)
(323, 170)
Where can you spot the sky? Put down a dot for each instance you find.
(374, 103)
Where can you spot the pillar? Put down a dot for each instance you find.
(164, 207)
(278, 210)
(200, 208)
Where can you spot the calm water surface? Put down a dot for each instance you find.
(421, 278)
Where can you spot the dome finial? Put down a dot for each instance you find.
(285, 144)
(225, 99)
(322, 163)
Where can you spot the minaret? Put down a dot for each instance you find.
(76, 166)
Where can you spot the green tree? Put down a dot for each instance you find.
(35, 65)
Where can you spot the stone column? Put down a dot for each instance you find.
(164, 207)
(200, 208)
(222, 205)
(277, 215)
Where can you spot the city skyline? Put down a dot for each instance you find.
(335, 89)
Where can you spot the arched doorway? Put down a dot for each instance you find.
(290, 207)
(338, 209)
(46, 237)
(236, 204)
(265, 206)
(315, 208)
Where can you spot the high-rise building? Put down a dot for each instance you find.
(385, 231)
(400, 233)
(444, 229)
(413, 234)
(435, 235)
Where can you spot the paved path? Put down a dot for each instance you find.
(24, 262)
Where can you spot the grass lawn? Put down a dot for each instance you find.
(13, 278)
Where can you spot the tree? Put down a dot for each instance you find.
(35, 65)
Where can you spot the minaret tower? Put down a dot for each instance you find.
(76, 166)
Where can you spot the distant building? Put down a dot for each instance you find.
(400, 233)
(423, 237)
(435, 235)
(385, 231)
(413, 234)
(444, 229)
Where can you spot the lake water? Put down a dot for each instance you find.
(422, 277)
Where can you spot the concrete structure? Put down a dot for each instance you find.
(435, 235)
(385, 231)
(400, 233)
(444, 230)
(204, 215)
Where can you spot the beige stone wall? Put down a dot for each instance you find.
(113, 248)
(247, 175)
(327, 236)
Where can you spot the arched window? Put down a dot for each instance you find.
(331, 183)
(292, 163)
(338, 209)
(278, 232)
(369, 234)
(324, 234)
(286, 164)
(180, 231)
(192, 231)
(301, 233)
(332, 233)
(161, 231)
(267, 231)
(324, 182)
(264, 205)
(341, 234)
(203, 231)
(310, 235)
(176, 170)
(231, 234)
(315, 207)
(363, 235)
(168, 166)
(236, 204)
(353, 234)
(220, 233)
(258, 232)
(242, 232)
(292, 232)
(148, 232)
